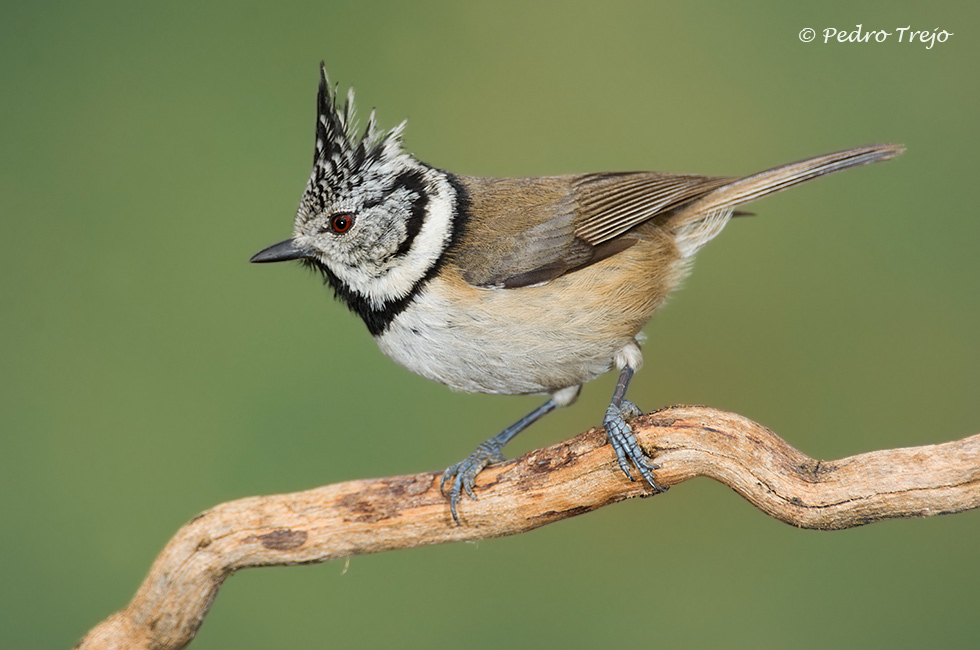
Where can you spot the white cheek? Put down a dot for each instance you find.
(384, 285)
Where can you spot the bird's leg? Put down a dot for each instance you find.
(621, 436)
(486, 453)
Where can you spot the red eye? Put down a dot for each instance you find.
(342, 222)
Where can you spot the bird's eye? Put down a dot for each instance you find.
(341, 223)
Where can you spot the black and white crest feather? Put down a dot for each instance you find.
(343, 158)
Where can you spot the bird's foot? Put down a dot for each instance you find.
(463, 474)
(625, 445)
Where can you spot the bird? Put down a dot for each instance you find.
(511, 286)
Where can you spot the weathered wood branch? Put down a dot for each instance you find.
(543, 486)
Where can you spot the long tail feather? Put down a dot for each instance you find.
(700, 220)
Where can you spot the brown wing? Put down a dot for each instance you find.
(530, 231)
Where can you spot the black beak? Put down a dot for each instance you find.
(281, 252)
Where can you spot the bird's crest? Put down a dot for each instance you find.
(343, 157)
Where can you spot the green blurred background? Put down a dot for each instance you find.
(149, 372)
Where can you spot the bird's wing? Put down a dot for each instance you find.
(529, 231)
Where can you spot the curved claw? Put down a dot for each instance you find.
(625, 445)
(448, 474)
(464, 473)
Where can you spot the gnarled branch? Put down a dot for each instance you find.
(543, 486)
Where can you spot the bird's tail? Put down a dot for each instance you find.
(697, 222)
